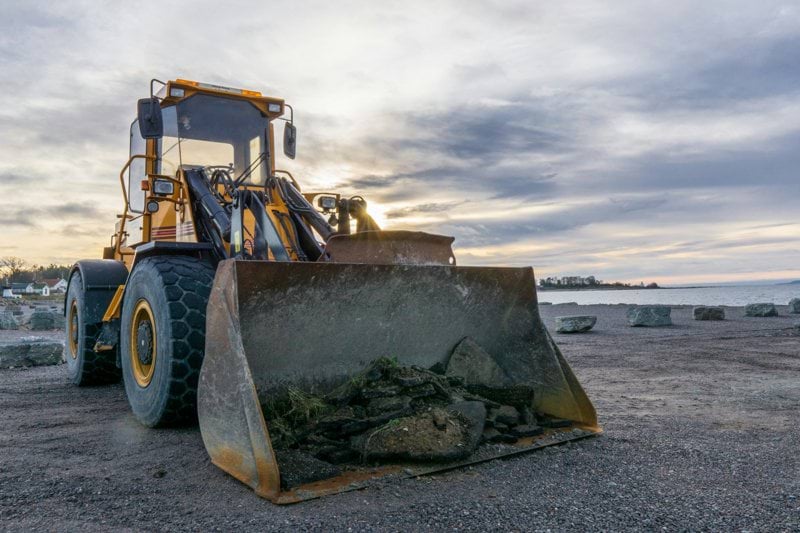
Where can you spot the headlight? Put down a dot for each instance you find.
(327, 202)
(163, 187)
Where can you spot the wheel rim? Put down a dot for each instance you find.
(73, 329)
(143, 343)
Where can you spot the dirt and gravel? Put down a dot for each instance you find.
(701, 433)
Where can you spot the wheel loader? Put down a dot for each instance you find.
(225, 285)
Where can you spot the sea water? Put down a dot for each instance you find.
(722, 295)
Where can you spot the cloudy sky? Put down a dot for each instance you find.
(648, 141)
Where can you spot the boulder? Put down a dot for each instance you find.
(42, 319)
(471, 367)
(761, 309)
(649, 316)
(476, 367)
(703, 312)
(794, 306)
(7, 320)
(31, 351)
(575, 324)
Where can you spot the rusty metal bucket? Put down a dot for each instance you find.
(313, 326)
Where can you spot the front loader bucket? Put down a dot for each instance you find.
(313, 326)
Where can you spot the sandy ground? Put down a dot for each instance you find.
(701, 432)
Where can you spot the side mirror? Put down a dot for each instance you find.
(289, 140)
(151, 125)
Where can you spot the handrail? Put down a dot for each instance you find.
(294, 181)
(122, 175)
(125, 196)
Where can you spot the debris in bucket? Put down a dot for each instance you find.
(393, 413)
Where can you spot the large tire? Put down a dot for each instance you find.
(84, 365)
(162, 337)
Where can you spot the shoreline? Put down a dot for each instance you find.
(547, 289)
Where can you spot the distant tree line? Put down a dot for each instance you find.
(17, 270)
(589, 282)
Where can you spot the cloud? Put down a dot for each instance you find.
(422, 209)
(12, 179)
(612, 140)
(45, 216)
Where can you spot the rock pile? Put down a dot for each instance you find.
(794, 306)
(761, 309)
(703, 312)
(400, 413)
(575, 324)
(7, 320)
(650, 316)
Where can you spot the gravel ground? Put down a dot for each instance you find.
(16, 335)
(701, 433)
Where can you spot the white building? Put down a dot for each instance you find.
(55, 285)
(8, 293)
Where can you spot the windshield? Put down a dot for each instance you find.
(206, 130)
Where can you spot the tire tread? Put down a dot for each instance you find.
(187, 284)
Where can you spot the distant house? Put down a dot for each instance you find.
(22, 288)
(41, 288)
(55, 285)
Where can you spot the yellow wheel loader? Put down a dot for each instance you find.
(226, 288)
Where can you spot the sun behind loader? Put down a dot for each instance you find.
(224, 287)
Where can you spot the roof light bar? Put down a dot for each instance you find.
(220, 88)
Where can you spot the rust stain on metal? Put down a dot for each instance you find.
(232, 462)
(351, 480)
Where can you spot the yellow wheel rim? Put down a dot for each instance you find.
(72, 323)
(143, 343)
